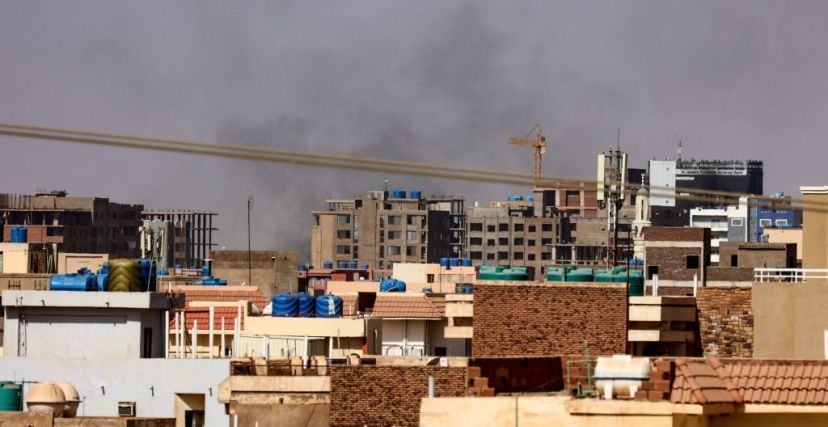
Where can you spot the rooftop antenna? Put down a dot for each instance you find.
(618, 140)
(385, 187)
(678, 152)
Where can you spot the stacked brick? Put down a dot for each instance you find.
(538, 319)
(658, 386)
(388, 395)
(725, 321)
(478, 384)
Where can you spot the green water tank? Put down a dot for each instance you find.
(603, 276)
(580, 275)
(555, 274)
(501, 272)
(10, 397)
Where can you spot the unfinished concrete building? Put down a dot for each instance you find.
(61, 223)
(383, 228)
(193, 234)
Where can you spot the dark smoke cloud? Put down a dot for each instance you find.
(444, 82)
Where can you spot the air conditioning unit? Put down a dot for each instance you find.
(126, 409)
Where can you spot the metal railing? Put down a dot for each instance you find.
(789, 275)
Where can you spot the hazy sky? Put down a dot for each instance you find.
(434, 81)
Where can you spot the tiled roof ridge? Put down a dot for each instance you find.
(681, 366)
(719, 369)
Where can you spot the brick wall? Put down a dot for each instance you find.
(388, 395)
(521, 374)
(725, 321)
(672, 263)
(670, 291)
(729, 274)
(675, 234)
(538, 319)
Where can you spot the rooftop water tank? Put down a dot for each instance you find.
(416, 194)
(11, 399)
(285, 305)
(328, 306)
(454, 262)
(307, 304)
(354, 264)
(467, 262)
(392, 285)
(514, 198)
(555, 274)
(342, 264)
(148, 274)
(70, 409)
(621, 375)
(44, 398)
(398, 193)
(530, 198)
(78, 282)
(22, 235)
(364, 266)
(501, 272)
(580, 275)
(213, 281)
(327, 265)
(444, 262)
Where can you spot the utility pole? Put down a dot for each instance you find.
(249, 248)
(612, 186)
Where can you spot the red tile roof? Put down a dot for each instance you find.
(202, 314)
(786, 382)
(404, 306)
(703, 382)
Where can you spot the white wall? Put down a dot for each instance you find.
(151, 383)
(404, 337)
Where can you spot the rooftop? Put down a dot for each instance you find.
(139, 300)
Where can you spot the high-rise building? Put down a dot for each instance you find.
(386, 227)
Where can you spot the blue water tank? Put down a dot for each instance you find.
(514, 198)
(302, 267)
(285, 305)
(205, 270)
(467, 289)
(444, 262)
(416, 193)
(530, 198)
(147, 269)
(398, 193)
(327, 265)
(341, 264)
(454, 262)
(467, 262)
(364, 266)
(22, 236)
(392, 285)
(354, 265)
(79, 282)
(307, 304)
(213, 281)
(328, 306)
(13, 234)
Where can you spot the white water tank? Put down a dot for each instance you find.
(621, 375)
(44, 398)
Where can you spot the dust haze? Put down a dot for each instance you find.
(430, 81)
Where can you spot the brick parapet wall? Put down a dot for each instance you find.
(729, 274)
(539, 319)
(388, 395)
(675, 234)
(672, 263)
(725, 321)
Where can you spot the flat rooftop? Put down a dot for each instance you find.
(139, 300)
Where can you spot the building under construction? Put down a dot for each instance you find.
(192, 232)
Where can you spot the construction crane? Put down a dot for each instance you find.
(538, 143)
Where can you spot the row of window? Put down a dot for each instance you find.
(492, 228)
(504, 241)
(501, 256)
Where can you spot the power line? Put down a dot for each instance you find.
(369, 164)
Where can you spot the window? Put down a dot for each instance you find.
(343, 219)
(394, 250)
(781, 222)
(394, 220)
(343, 250)
(734, 260)
(765, 222)
(517, 256)
(381, 254)
(547, 241)
(546, 227)
(737, 222)
(518, 241)
(518, 227)
(394, 235)
(343, 234)
(490, 242)
(147, 347)
(503, 255)
(546, 256)
(652, 270)
(530, 257)
(503, 241)
(489, 257)
(429, 278)
(476, 241)
(531, 242)
(411, 236)
(476, 226)
(692, 261)
(476, 255)
(490, 228)
(410, 250)
(532, 229)
(503, 227)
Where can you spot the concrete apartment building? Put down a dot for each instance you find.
(192, 237)
(382, 228)
(74, 224)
